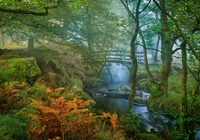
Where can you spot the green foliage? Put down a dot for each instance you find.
(36, 92)
(174, 83)
(27, 111)
(10, 84)
(77, 4)
(145, 83)
(90, 82)
(34, 7)
(177, 135)
(13, 127)
(191, 84)
(42, 55)
(18, 69)
(155, 89)
(132, 122)
(6, 75)
(166, 104)
(146, 136)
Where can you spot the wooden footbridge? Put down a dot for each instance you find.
(116, 56)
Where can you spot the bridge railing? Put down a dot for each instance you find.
(117, 56)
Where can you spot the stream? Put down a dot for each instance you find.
(114, 96)
(150, 121)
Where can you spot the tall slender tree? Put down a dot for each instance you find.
(135, 15)
(188, 32)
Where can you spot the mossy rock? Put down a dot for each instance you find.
(59, 80)
(77, 82)
(58, 68)
(91, 82)
(19, 69)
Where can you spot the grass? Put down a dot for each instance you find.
(166, 104)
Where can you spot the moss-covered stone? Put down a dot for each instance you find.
(32, 70)
(19, 69)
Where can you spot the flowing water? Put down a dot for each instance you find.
(117, 75)
(149, 121)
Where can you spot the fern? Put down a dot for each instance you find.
(68, 120)
(63, 119)
(10, 96)
(113, 119)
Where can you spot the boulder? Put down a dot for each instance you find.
(76, 84)
(19, 69)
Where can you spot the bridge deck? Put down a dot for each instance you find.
(116, 56)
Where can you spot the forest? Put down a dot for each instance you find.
(53, 55)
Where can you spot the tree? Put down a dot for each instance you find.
(188, 33)
(94, 29)
(14, 23)
(136, 19)
(166, 47)
(1, 37)
(149, 28)
(34, 7)
(149, 74)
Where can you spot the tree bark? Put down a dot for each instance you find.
(189, 115)
(88, 25)
(183, 84)
(184, 76)
(30, 44)
(134, 57)
(2, 37)
(149, 74)
(133, 49)
(166, 48)
(134, 72)
(157, 47)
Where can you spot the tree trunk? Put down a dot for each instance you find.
(166, 48)
(183, 84)
(2, 37)
(189, 114)
(134, 73)
(149, 74)
(184, 76)
(133, 50)
(30, 44)
(157, 47)
(134, 57)
(88, 25)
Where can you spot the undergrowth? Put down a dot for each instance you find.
(171, 103)
(68, 120)
(43, 113)
(13, 127)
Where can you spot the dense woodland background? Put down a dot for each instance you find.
(56, 30)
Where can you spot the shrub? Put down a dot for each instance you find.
(145, 136)
(132, 123)
(10, 95)
(177, 135)
(155, 89)
(13, 127)
(67, 120)
(166, 104)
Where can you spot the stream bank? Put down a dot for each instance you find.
(107, 97)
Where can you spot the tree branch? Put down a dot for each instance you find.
(145, 6)
(45, 13)
(180, 31)
(29, 9)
